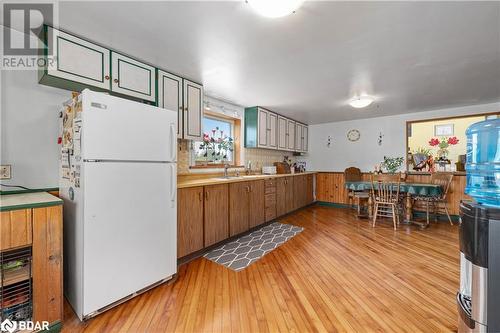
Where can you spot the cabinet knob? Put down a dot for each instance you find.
(115, 80)
(106, 77)
(206, 195)
(200, 196)
(180, 108)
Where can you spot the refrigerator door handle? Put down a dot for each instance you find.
(173, 141)
(173, 187)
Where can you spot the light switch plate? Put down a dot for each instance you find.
(5, 171)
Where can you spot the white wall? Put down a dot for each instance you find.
(366, 152)
(29, 128)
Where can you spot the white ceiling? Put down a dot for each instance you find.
(410, 55)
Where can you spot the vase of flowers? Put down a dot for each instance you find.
(392, 164)
(443, 146)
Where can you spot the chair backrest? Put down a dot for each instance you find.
(443, 180)
(385, 187)
(352, 174)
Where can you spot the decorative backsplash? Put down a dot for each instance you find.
(265, 157)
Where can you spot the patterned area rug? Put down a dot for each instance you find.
(244, 251)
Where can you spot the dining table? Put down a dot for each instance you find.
(407, 189)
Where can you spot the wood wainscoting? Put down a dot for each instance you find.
(330, 187)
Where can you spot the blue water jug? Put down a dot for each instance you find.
(483, 162)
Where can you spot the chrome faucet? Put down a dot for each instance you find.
(226, 167)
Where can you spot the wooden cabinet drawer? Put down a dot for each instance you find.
(270, 186)
(270, 213)
(270, 200)
(16, 229)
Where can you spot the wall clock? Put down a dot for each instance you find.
(353, 135)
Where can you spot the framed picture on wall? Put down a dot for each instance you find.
(443, 130)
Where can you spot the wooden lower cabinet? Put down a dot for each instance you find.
(37, 234)
(300, 191)
(207, 215)
(239, 208)
(216, 213)
(256, 203)
(284, 195)
(309, 189)
(47, 264)
(189, 220)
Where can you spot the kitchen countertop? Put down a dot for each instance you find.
(219, 180)
(28, 200)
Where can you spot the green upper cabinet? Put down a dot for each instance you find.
(75, 62)
(266, 129)
(132, 78)
(193, 110)
(170, 96)
(261, 129)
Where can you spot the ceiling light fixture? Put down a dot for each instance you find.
(275, 8)
(361, 102)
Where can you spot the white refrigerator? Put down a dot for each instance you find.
(118, 182)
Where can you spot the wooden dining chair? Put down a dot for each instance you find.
(437, 203)
(385, 193)
(352, 174)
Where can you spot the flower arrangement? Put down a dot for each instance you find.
(215, 147)
(392, 164)
(443, 145)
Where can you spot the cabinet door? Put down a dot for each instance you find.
(272, 133)
(47, 264)
(78, 60)
(309, 189)
(170, 96)
(291, 135)
(216, 213)
(262, 128)
(132, 78)
(15, 228)
(238, 208)
(289, 194)
(299, 191)
(282, 133)
(189, 220)
(298, 137)
(305, 138)
(281, 196)
(257, 203)
(193, 111)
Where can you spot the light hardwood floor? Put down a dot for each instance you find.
(338, 275)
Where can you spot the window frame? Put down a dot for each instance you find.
(235, 134)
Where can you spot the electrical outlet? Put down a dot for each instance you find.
(5, 171)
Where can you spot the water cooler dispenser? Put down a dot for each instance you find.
(478, 299)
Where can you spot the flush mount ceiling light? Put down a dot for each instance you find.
(275, 8)
(361, 102)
